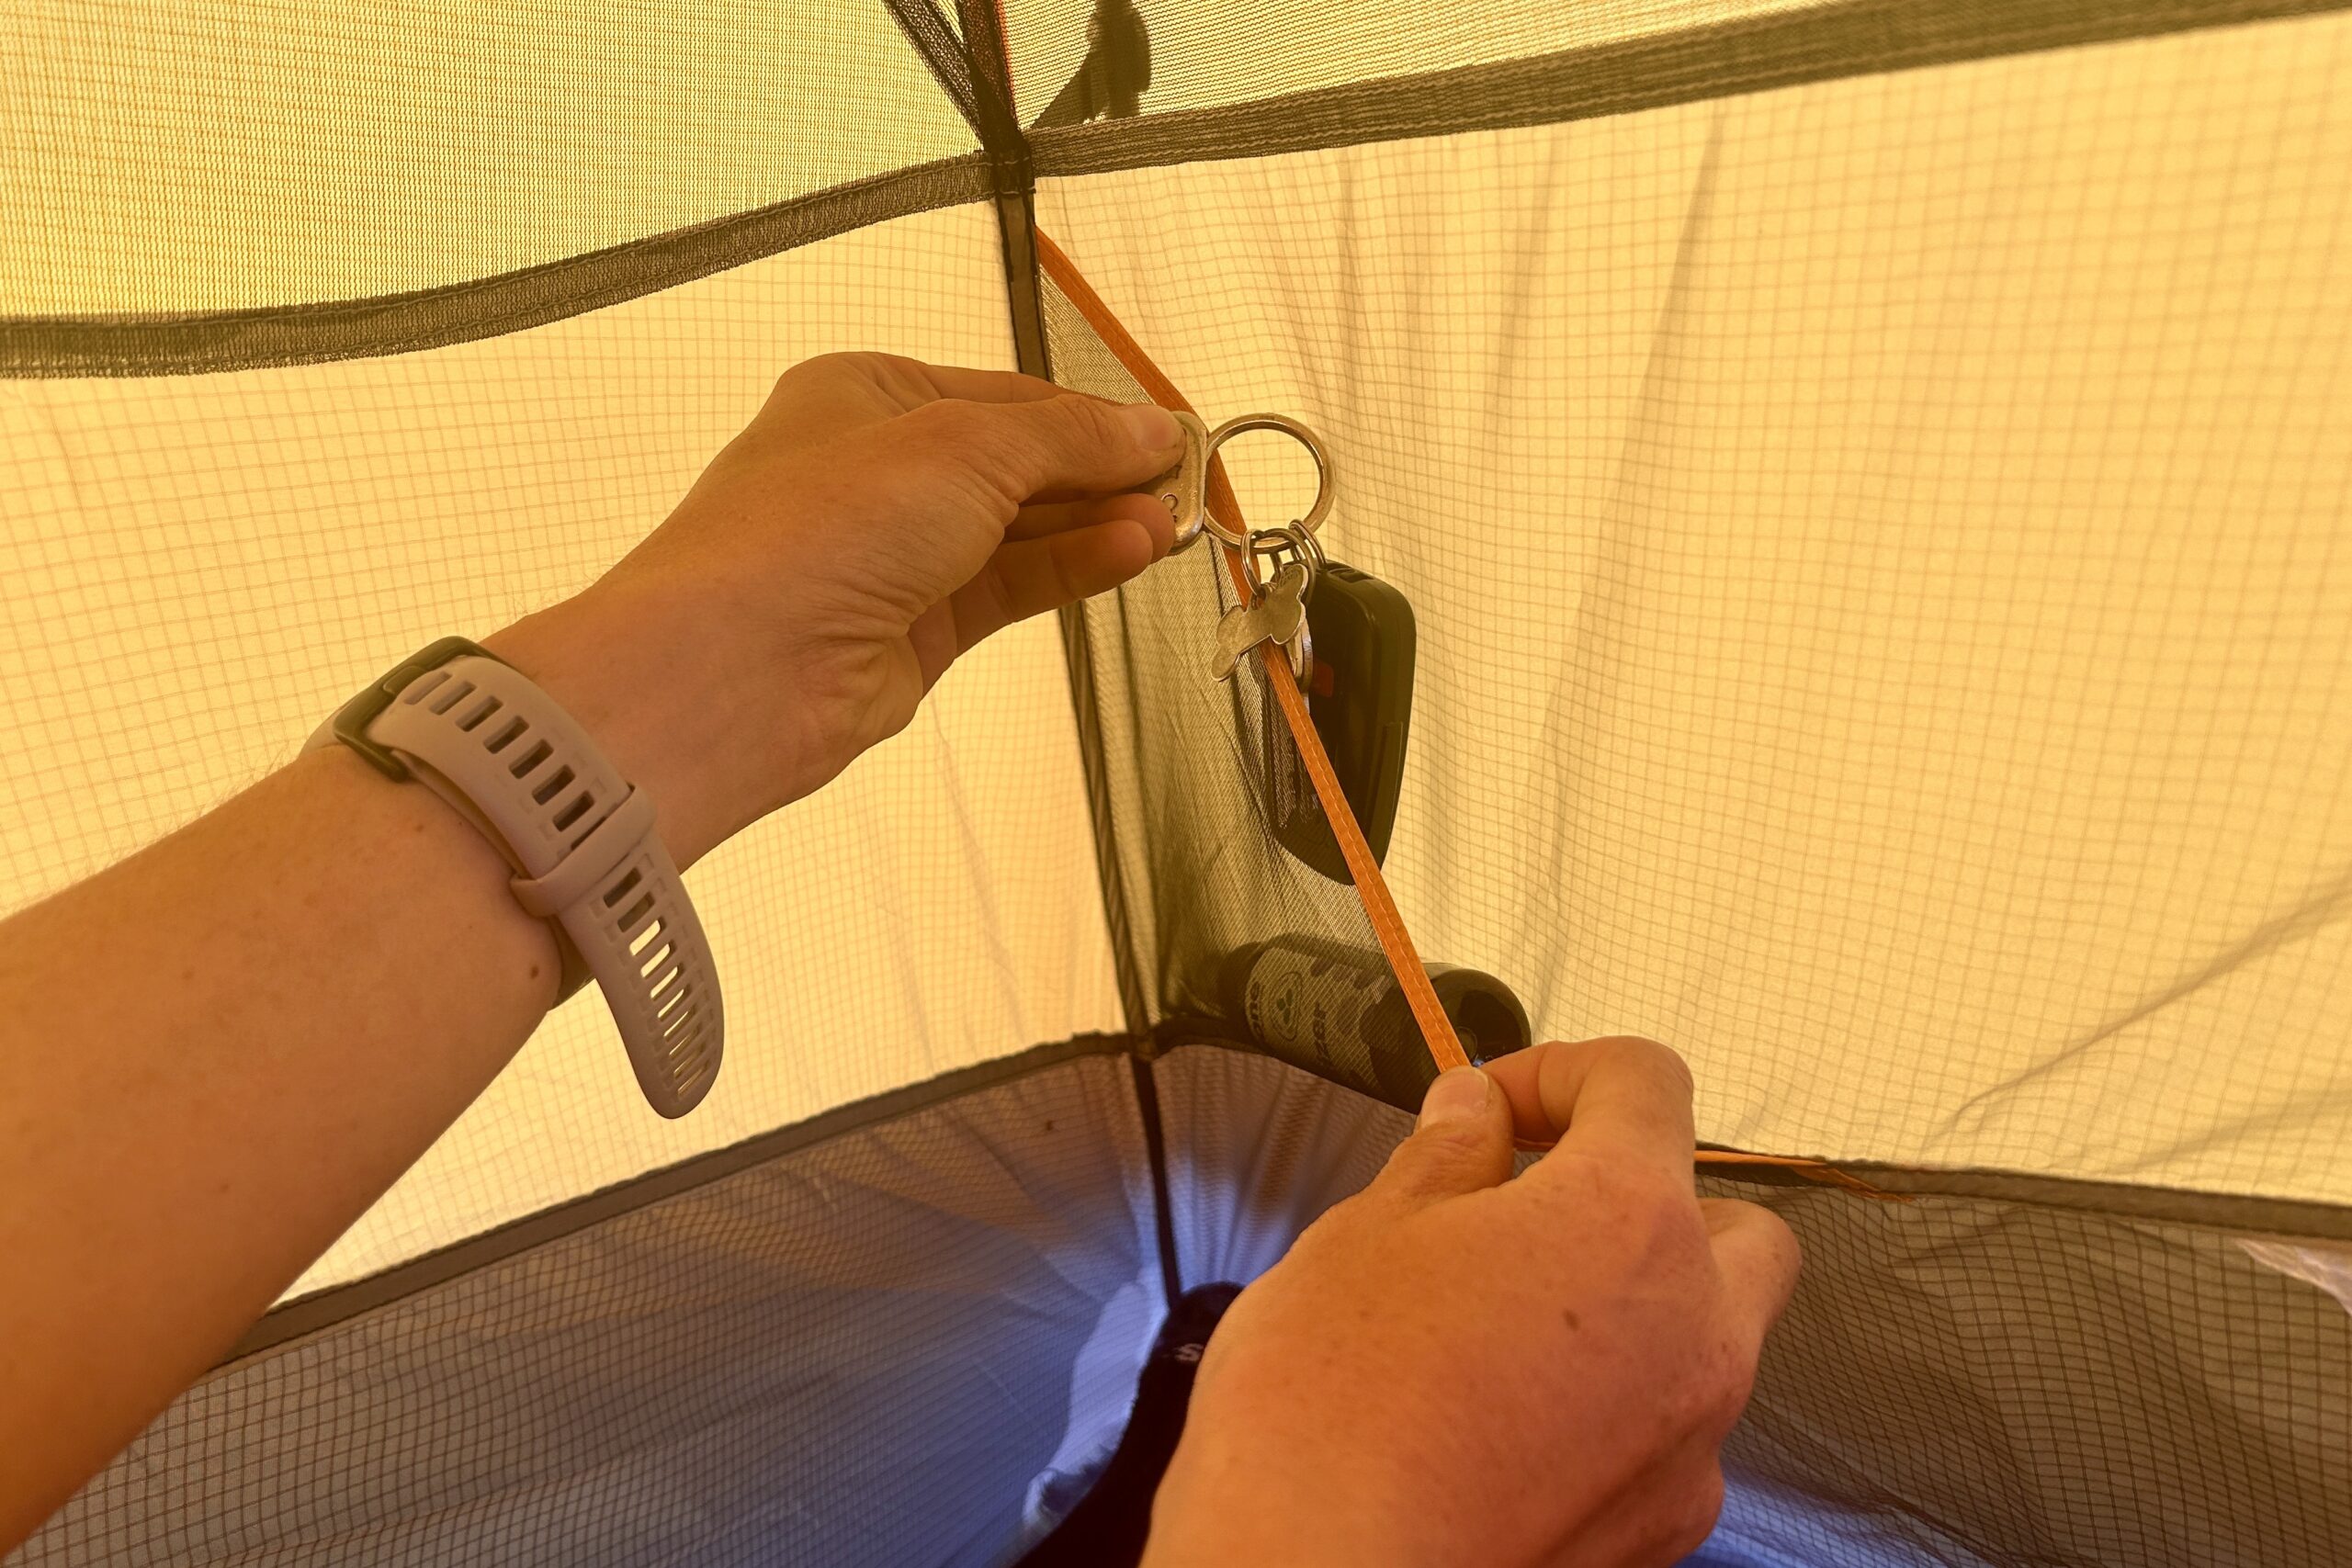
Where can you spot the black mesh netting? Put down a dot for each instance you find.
(1957, 1383)
(1207, 883)
(869, 1349)
(2010, 1384)
(859, 1352)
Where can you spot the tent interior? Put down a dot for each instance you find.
(1870, 477)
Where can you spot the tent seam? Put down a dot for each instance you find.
(1810, 44)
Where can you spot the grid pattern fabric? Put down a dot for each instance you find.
(1956, 1385)
(2045, 1387)
(866, 1350)
(1876, 546)
(194, 570)
(1185, 797)
(212, 154)
(1210, 52)
(859, 1353)
(1256, 1151)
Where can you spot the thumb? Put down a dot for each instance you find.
(1462, 1143)
(1757, 1254)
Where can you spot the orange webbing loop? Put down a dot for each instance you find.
(1379, 908)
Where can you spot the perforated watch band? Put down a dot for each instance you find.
(499, 750)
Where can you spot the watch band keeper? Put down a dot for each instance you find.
(589, 861)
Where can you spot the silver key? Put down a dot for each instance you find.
(1278, 615)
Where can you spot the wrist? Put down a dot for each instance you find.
(654, 711)
(1219, 1505)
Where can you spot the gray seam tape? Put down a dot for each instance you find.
(488, 734)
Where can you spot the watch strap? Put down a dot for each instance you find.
(583, 842)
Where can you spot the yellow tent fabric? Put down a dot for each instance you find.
(1871, 477)
(1878, 548)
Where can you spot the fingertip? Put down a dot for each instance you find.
(1147, 514)
(1135, 534)
(1152, 428)
(1518, 1074)
(1459, 1144)
(1621, 1094)
(1459, 1094)
(1758, 1254)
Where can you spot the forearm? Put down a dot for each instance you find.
(213, 1057)
(216, 1055)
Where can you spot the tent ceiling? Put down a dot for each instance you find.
(216, 154)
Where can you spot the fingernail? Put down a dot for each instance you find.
(1459, 1094)
(1152, 427)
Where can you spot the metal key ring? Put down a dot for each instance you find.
(1292, 541)
(1242, 423)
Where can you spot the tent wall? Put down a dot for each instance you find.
(1883, 621)
(862, 1347)
(195, 570)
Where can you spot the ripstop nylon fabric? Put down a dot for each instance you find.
(212, 154)
(1875, 545)
(1883, 631)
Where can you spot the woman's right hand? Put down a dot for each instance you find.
(1454, 1366)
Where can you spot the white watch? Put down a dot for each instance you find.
(481, 735)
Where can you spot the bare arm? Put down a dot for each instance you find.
(215, 1056)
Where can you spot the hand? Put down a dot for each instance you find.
(1456, 1367)
(878, 517)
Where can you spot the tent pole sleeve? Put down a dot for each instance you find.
(1007, 146)
(1016, 220)
(1154, 1144)
(997, 123)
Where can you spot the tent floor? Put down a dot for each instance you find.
(867, 1340)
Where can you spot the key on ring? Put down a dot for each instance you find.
(1278, 615)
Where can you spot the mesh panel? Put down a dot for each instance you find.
(240, 152)
(860, 1353)
(1255, 1151)
(1876, 547)
(1189, 793)
(193, 569)
(864, 1351)
(1480, 68)
(2049, 1388)
(1956, 1385)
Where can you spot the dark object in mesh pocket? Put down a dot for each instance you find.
(1338, 1011)
(1360, 694)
